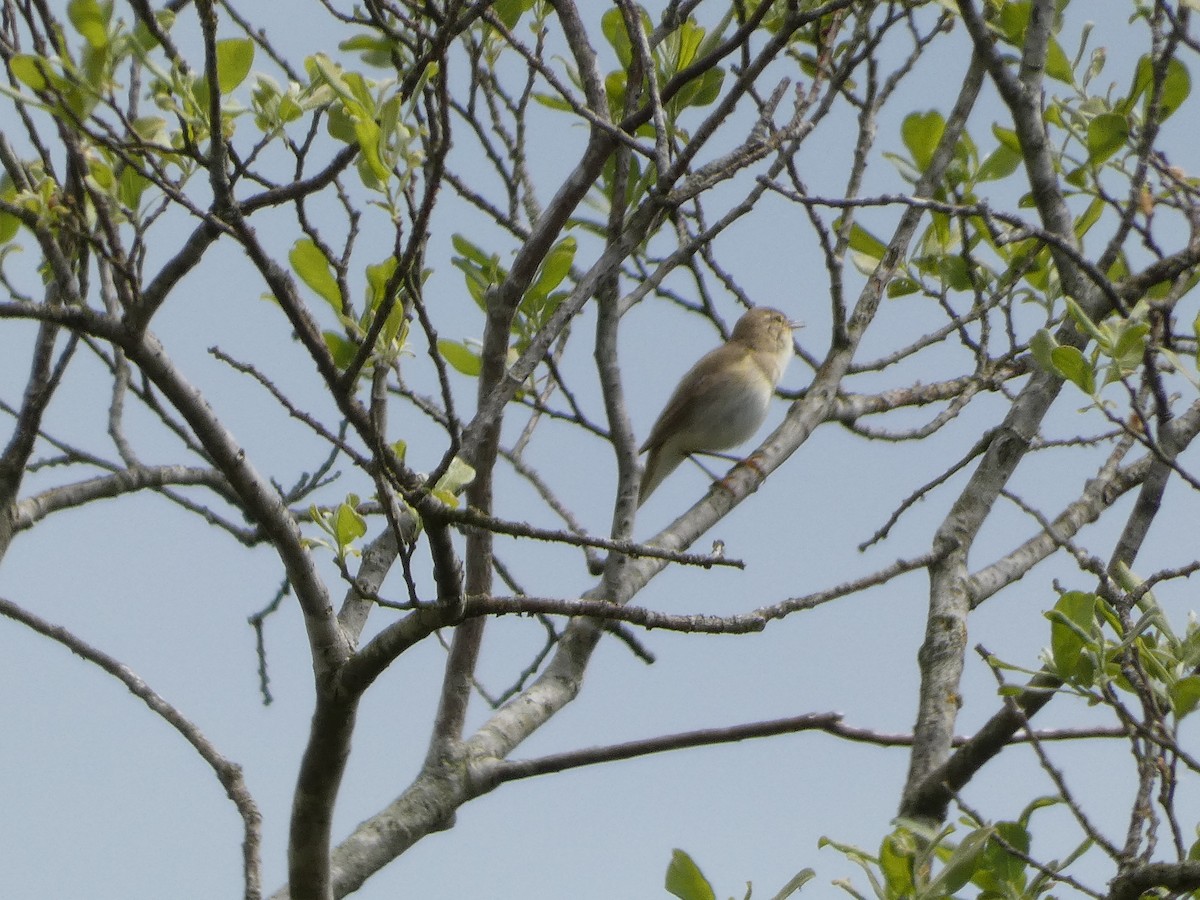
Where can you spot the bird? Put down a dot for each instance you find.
(723, 398)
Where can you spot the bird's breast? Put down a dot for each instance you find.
(732, 414)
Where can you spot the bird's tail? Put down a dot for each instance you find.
(660, 462)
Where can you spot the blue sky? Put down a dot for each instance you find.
(103, 800)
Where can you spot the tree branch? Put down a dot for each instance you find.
(229, 774)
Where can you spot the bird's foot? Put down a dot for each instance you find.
(753, 461)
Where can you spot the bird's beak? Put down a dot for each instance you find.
(794, 325)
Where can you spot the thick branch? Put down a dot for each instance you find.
(1178, 878)
(329, 645)
(33, 509)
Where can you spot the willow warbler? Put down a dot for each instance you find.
(723, 398)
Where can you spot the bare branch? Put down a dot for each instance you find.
(228, 773)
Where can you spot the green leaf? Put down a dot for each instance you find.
(685, 880)
(9, 224)
(1000, 871)
(1069, 363)
(1196, 334)
(550, 101)
(458, 475)
(686, 39)
(91, 19)
(152, 129)
(30, 70)
(1130, 345)
(377, 278)
(1034, 805)
(1085, 323)
(342, 350)
(373, 50)
(554, 268)
(1151, 660)
(348, 524)
(614, 89)
(102, 174)
(1042, 345)
(1008, 138)
(896, 853)
(481, 270)
(360, 92)
(1185, 695)
(509, 11)
(1089, 217)
(960, 868)
(470, 251)
(477, 283)
(314, 270)
(460, 356)
(907, 170)
(1001, 163)
(1012, 20)
(862, 241)
(144, 39)
(131, 184)
(235, 56)
(954, 272)
(1189, 648)
(1107, 133)
(1119, 270)
(921, 133)
(797, 881)
(612, 23)
(1058, 66)
(1053, 115)
(323, 70)
(366, 42)
(400, 448)
(1177, 84)
(289, 109)
(369, 137)
(1074, 617)
(1077, 177)
(709, 88)
(902, 286)
(394, 333)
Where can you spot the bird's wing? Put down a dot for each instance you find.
(701, 381)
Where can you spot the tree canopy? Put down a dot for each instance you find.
(363, 312)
